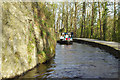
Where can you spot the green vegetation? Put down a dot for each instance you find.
(98, 20)
(29, 59)
(31, 40)
(43, 32)
(86, 20)
(40, 52)
(45, 21)
(118, 26)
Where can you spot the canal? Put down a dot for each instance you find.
(77, 61)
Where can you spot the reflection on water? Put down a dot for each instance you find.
(77, 61)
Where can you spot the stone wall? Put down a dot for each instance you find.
(24, 42)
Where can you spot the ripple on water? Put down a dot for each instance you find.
(78, 61)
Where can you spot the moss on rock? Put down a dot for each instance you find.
(26, 37)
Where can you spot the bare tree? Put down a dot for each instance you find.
(114, 27)
(83, 20)
(75, 20)
(100, 20)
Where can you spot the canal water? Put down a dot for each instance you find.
(77, 61)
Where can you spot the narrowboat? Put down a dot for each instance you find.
(66, 38)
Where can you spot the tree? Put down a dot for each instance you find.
(75, 20)
(114, 28)
(63, 14)
(71, 17)
(100, 20)
(58, 21)
(118, 39)
(53, 9)
(83, 20)
(105, 21)
(92, 21)
(67, 17)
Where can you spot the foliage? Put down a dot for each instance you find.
(98, 20)
(29, 59)
(40, 52)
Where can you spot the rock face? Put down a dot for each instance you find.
(25, 41)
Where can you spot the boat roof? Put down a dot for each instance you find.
(67, 33)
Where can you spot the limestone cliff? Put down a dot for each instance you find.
(25, 40)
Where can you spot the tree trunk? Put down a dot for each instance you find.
(75, 27)
(118, 39)
(67, 18)
(105, 21)
(54, 16)
(92, 22)
(114, 28)
(63, 13)
(100, 20)
(83, 21)
(71, 19)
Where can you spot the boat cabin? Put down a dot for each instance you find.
(66, 38)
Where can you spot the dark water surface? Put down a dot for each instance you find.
(77, 60)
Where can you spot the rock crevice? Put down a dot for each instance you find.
(25, 40)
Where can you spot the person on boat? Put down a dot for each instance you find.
(70, 37)
(66, 36)
(61, 37)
